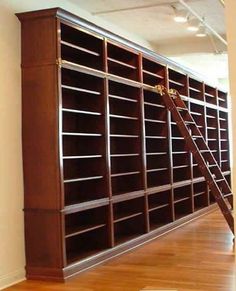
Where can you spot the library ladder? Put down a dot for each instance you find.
(201, 152)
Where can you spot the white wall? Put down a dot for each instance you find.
(231, 37)
(12, 257)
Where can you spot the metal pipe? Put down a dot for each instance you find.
(193, 12)
(213, 44)
(222, 2)
(134, 8)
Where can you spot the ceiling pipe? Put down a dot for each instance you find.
(217, 52)
(193, 12)
(134, 8)
(222, 2)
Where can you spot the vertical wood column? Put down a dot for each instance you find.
(170, 149)
(190, 154)
(107, 137)
(143, 146)
(231, 37)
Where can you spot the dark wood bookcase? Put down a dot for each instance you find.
(105, 166)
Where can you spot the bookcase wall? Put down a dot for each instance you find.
(105, 165)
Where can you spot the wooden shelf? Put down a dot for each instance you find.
(210, 95)
(158, 207)
(156, 170)
(80, 90)
(124, 155)
(94, 53)
(123, 98)
(124, 135)
(153, 74)
(180, 167)
(122, 63)
(156, 154)
(153, 104)
(82, 179)
(81, 134)
(123, 117)
(181, 199)
(199, 194)
(127, 216)
(176, 83)
(82, 157)
(156, 137)
(155, 121)
(81, 112)
(125, 174)
(80, 230)
(194, 89)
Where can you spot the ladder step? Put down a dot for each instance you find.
(212, 165)
(227, 195)
(189, 122)
(219, 180)
(197, 136)
(204, 151)
(182, 108)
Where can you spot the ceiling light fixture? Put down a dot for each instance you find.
(193, 25)
(181, 16)
(201, 32)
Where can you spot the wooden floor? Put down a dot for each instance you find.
(197, 256)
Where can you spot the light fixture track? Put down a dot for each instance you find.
(194, 13)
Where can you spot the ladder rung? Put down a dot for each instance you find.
(189, 122)
(219, 180)
(197, 136)
(227, 195)
(212, 165)
(182, 108)
(204, 151)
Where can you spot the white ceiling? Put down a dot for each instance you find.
(153, 21)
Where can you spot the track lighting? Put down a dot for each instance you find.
(181, 16)
(193, 25)
(201, 32)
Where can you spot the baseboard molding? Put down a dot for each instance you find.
(12, 278)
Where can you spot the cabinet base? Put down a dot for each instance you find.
(61, 275)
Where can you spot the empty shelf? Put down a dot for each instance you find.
(81, 157)
(81, 111)
(125, 174)
(122, 63)
(123, 117)
(83, 179)
(80, 48)
(81, 90)
(122, 98)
